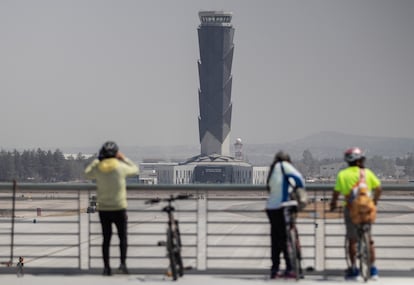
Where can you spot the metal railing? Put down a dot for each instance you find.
(224, 228)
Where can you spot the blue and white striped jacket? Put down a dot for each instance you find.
(279, 187)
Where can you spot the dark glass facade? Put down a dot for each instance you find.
(215, 35)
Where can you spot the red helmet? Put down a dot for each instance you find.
(353, 154)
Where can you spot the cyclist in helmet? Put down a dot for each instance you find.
(278, 185)
(345, 181)
(110, 170)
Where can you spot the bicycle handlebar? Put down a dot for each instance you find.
(182, 196)
(170, 199)
(153, 201)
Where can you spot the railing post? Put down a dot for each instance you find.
(320, 245)
(83, 231)
(201, 230)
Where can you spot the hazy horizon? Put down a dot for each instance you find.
(77, 73)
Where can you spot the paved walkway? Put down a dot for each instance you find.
(195, 279)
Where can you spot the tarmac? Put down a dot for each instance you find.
(195, 279)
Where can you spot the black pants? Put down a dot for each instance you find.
(278, 238)
(119, 218)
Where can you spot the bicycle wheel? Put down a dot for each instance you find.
(172, 255)
(179, 261)
(177, 248)
(364, 255)
(299, 256)
(347, 257)
(293, 252)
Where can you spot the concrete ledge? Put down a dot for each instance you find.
(159, 271)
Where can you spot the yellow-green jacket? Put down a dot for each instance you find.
(110, 175)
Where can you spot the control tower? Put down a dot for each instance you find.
(215, 37)
(215, 164)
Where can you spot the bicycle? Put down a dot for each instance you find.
(173, 243)
(363, 253)
(293, 242)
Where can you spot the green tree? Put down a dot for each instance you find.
(41, 166)
(409, 165)
(309, 165)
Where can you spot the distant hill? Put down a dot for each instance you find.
(331, 145)
(321, 145)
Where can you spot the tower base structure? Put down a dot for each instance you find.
(219, 169)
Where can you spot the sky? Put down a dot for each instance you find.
(80, 72)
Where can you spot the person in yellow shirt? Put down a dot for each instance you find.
(110, 170)
(345, 181)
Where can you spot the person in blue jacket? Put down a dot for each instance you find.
(282, 175)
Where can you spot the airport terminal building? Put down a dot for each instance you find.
(205, 169)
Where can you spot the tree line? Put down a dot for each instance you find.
(41, 166)
(47, 166)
